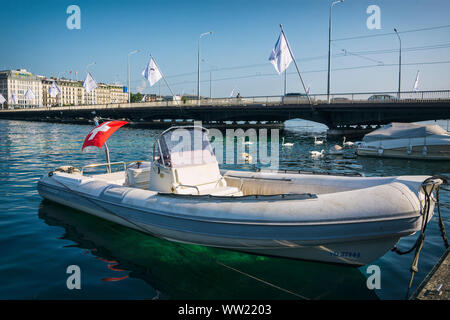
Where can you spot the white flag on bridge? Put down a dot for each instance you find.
(2, 99)
(29, 95)
(54, 90)
(281, 56)
(152, 72)
(416, 83)
(89, 84)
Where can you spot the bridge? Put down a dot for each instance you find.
(346, 112)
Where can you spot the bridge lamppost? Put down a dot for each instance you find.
(329, 48)
(399, 63)
(128, 89)
(198, 63)
(211, 68)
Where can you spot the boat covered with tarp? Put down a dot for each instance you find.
(407, 140)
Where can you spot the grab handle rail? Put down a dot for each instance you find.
(188, 186)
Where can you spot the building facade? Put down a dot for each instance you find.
(117, 94)
(14, 85)
(72, 93)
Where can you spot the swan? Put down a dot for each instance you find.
(317, 141)
(246, 142)
(336, 150)
(347, 143)
(287, 144)
(316, 154)
(246, 157)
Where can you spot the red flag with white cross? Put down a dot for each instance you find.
(98, 136)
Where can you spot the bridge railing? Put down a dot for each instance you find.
(385, 97)
(335, 98)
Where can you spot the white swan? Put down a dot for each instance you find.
(287, 144)
(246, 157)
(347, 143)
(316, 154)
(336, 150)
(317, 141)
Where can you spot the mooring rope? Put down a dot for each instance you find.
(425, 212)
(145, 230)
(441, 222)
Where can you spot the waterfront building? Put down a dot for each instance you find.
(72, 93)
(15, 83)
(102, 94)
(117, 94)
(150, 98)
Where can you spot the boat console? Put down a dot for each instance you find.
(184, 163)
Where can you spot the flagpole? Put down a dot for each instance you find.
(108, 168)
(167, 84)
(295, 63)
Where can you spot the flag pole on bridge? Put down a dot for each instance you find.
(153, 74)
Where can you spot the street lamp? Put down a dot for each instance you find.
(399, 63)
(329, 49)
(90, 64)
(198, 63)
(211, 67)
(128, 89)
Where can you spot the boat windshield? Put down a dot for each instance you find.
(184, 146)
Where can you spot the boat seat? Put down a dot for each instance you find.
(114, 177)
(198, 175)
(138, 176)
(201, 180)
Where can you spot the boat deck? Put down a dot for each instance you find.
(436, 285)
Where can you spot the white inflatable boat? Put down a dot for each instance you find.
(184, 197)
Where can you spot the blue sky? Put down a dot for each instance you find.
(35, 37)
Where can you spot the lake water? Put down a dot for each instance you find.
(40, 239)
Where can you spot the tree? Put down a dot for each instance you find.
(135, 97)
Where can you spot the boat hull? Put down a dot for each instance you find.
(352, 242)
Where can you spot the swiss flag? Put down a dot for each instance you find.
(98, 136)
